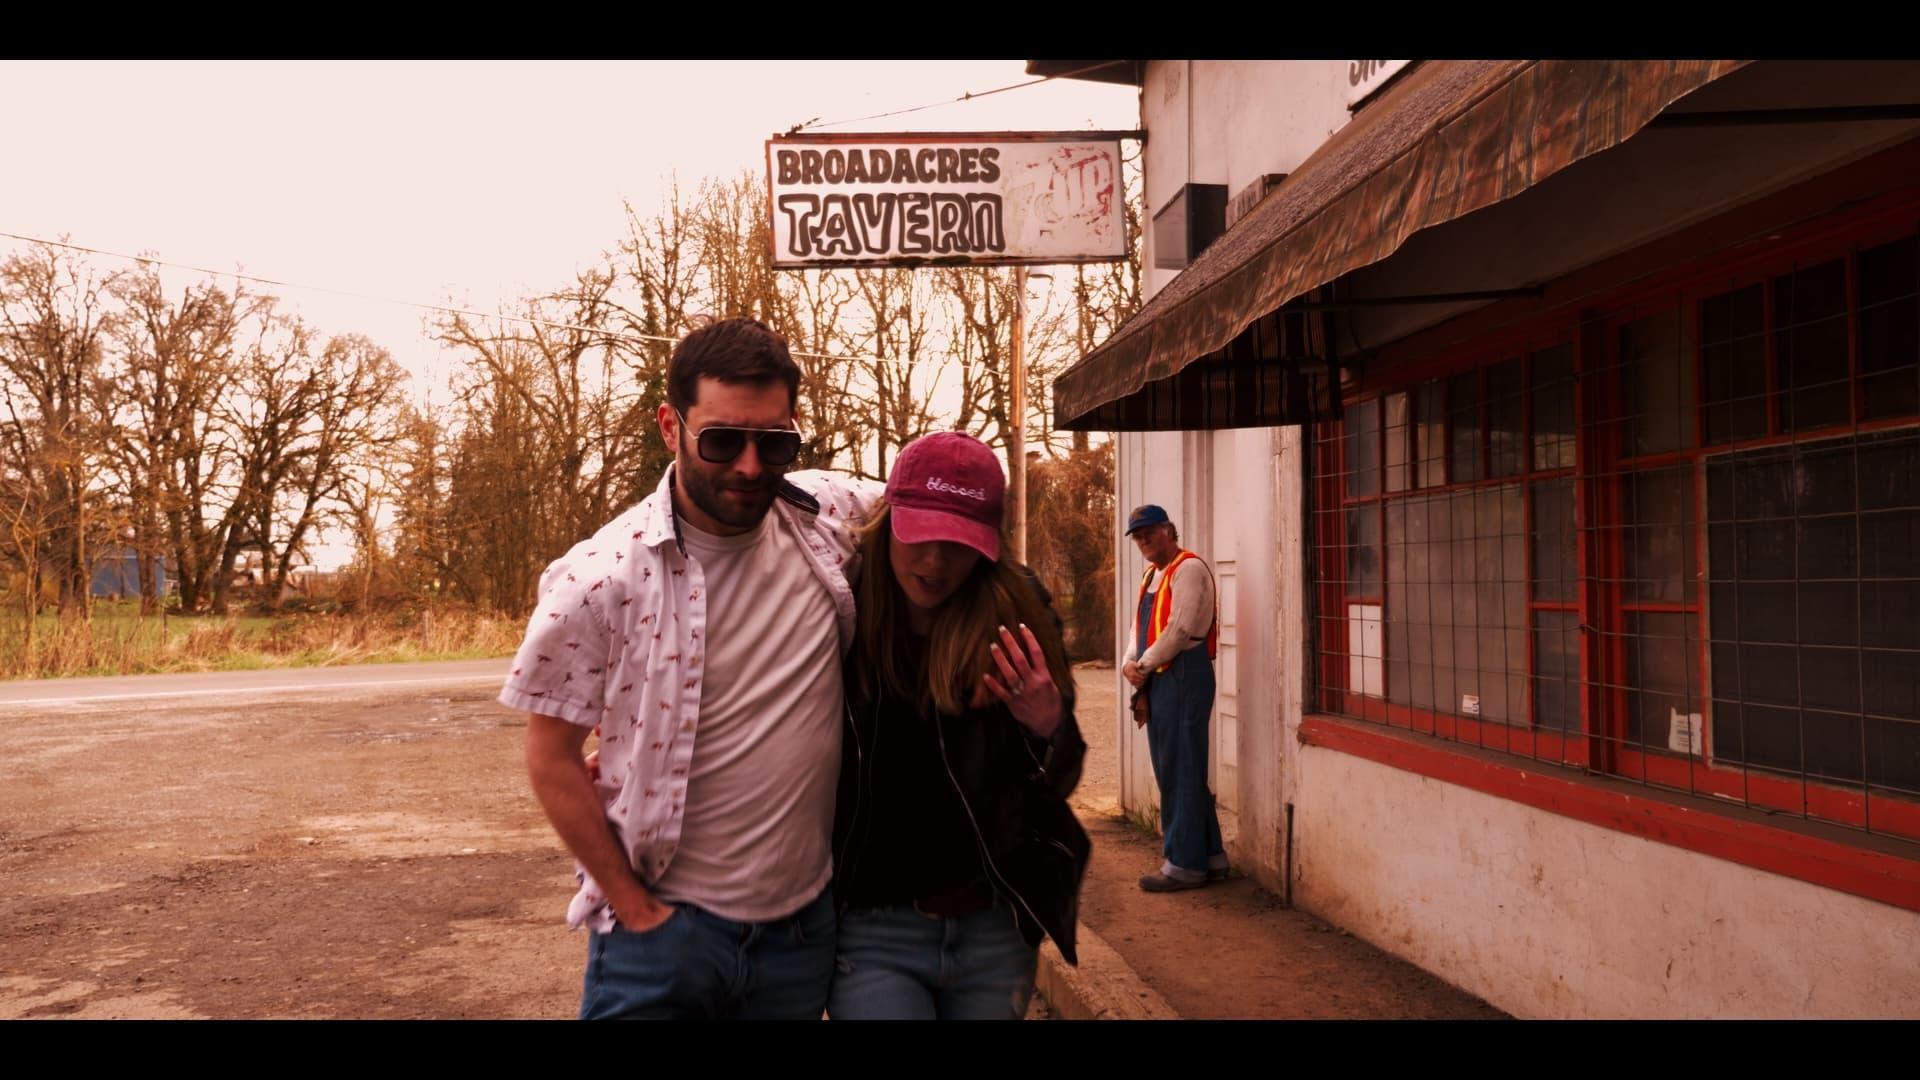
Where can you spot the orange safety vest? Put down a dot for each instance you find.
(1163, 605)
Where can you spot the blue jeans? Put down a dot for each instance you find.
(699, 966)
(897, 964)
(1181, 704)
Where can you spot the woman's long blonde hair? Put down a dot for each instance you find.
(995, 594)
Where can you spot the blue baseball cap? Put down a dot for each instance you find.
(1144, 516)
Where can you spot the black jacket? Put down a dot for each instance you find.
(1014, 786)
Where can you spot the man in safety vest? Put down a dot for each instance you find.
(1169, 661)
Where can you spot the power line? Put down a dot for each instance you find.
(969, 96)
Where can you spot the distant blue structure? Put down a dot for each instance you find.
(116, 574)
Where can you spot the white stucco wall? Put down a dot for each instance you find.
(1545, 916)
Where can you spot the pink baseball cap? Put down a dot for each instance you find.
(948, 486)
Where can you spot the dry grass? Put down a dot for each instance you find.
(117, 641)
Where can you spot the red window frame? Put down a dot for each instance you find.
(1600, 474)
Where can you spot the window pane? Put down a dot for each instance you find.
(1412, 601)
(1400, 615)
(1832, 742)
(1810, 346)
(1363, 550)
(1733, 352)
(1399, 436)
(1823, 479)
(1552, 374)
(1893, 751)
(1555, 557)
(1663, 678)
(1890, 615)
(1660, 537)
(1363, 448)
(1890, 329)
(1556, 662)
(1657, 359)
(1815, 621)
(1456, 603)
(1889, 471)
(1505, 413)
(1430, 435)
(1463, 455)
(1767, 736)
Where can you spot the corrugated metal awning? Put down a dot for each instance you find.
(1450, 137)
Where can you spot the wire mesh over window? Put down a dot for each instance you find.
(1675, 540)
(1815, 579)
(1456, 555)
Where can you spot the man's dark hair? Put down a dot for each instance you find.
(732, 350)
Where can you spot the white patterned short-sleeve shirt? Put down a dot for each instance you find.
(616, 644)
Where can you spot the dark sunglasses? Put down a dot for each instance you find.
(719, 445)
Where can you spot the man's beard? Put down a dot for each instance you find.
(704, 491)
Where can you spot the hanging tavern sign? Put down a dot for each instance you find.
(982, 200)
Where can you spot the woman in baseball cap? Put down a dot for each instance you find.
(954, 849)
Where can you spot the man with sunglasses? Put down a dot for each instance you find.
(700, 635)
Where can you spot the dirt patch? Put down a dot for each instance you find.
(1099, 790)
(325, 856)
(356, 853)
(1233, 951)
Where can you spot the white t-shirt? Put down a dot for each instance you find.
(756, 842)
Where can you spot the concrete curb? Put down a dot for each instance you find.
(1103, 987)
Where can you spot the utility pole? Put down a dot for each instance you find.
(1017, 427)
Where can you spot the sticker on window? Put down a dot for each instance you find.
(1683, 732)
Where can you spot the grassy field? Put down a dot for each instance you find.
(118, 641)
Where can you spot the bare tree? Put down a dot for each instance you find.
(362, 496)
(304, 413)
(554, 401)
(175, 364)
(895, 330)
(26, 516)
(550, 431)
(712, 259)
(53, 321)
(422, 531)
(340, 430)
(499, 522)
(834, 416)
(1050, 345)
(736, 256)
(983, 308)
(1072, 506)
(662, 265)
